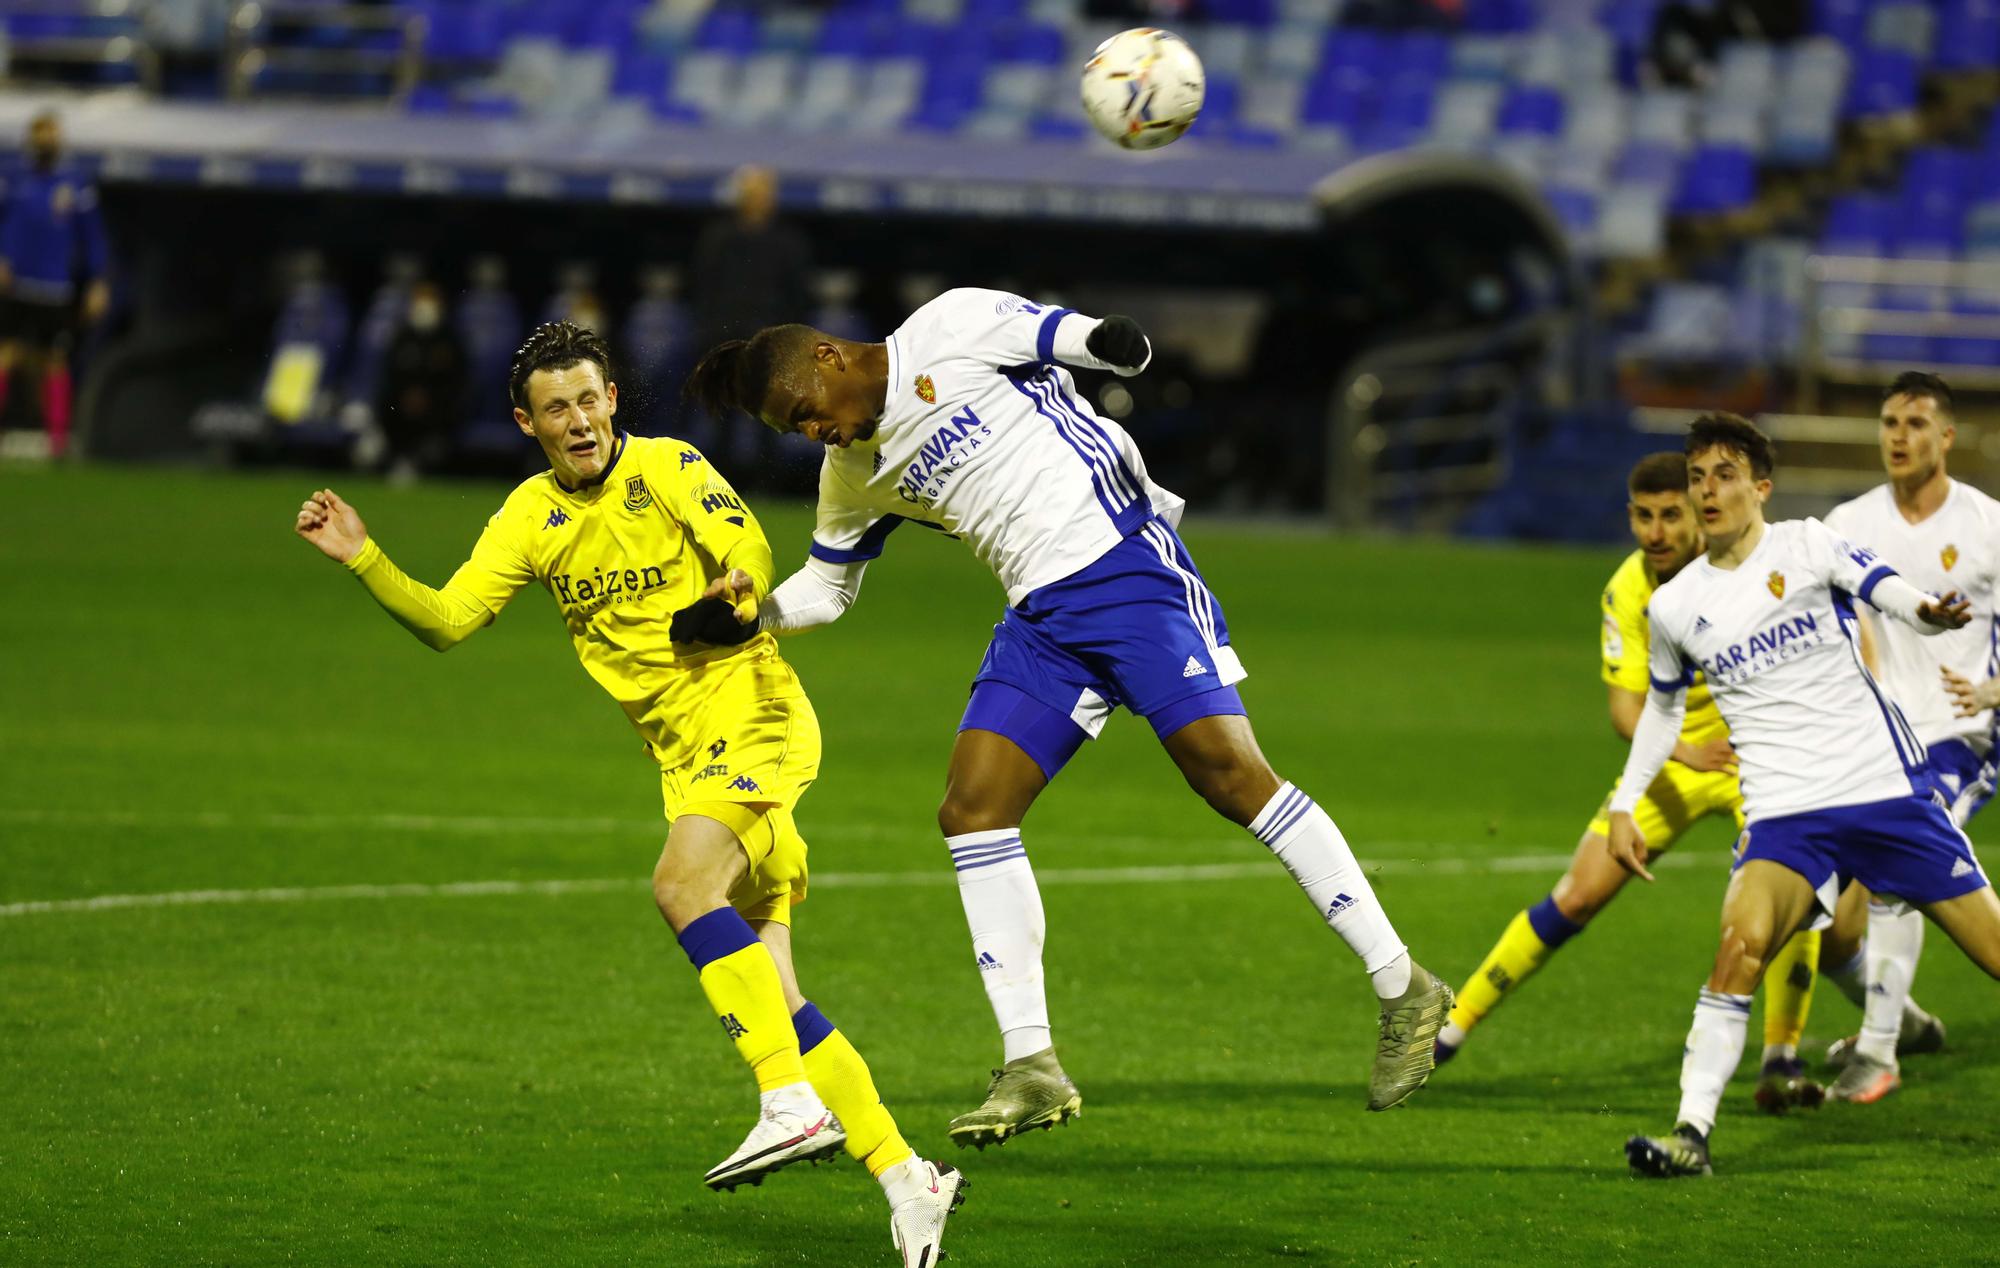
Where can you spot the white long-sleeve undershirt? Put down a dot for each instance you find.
(813, 596)
(1653, 743)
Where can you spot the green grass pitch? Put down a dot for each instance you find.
(193, 700)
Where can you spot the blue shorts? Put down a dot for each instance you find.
(1136, 628)
(1907, 847)
(1962, 777)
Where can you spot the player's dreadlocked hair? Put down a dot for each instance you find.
(737, 373)
(1736, 434)
(1663, 472)
(1918, 383)
(555, 345)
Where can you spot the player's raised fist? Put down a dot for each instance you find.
(1951, 610)
(331, 524)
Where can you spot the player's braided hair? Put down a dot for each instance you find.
(737, 373)
(1663, 472)
(1738, 435)
(555, 345)
(1918, 383)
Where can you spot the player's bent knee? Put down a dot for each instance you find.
(1739, 962)
(1234, 786)
(682, 898)
(960, 813)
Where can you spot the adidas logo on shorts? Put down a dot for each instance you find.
(1961, 868)
(1194, 668)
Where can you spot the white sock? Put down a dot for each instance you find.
(1004, 911)
(905, 1180)
(796, 1098)
(1714, 1046)
(1852, 977)
(1306, 841)
(1895, 940)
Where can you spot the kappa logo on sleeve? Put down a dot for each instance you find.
(688, 458)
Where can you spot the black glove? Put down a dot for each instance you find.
(1119, 341)
(710, 621)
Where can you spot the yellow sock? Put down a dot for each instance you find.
(1531, 937)
(841, 1078)
(741, 982)
(1788, 990)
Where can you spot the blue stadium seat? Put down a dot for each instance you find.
(1577, 209)
(1844, 20)
(1256, 13)
(1858, 224)
(1981, 350)
(1884, 83)
(1533, 110)
(727, 30)
(1717, 178)
(1968, 35)
(1031, 42)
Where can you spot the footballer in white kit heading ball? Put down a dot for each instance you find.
(1142, 88)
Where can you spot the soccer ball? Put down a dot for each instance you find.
(1143, 87)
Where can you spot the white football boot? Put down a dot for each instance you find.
(781, 1137)
(916, 1223)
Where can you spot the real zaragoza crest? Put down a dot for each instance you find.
(926, 390)
(637, 496)
(1777, 583)
(1948, 556)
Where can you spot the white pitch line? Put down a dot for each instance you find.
(830, 880)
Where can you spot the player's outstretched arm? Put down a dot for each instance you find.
(1927, 614)
(817, 594)
(441, 619)
(331, 524)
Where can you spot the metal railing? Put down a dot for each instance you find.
(1421, 430)
(118, 40)
(1842, 308)
(256, 44)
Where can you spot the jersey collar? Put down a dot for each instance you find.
(617, 452)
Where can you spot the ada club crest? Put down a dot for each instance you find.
(1777, 583)
(926, 390)
(637, 496)
(1948, 556)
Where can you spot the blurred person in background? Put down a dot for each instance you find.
(52, 265)
(422, 401)
(750, 270)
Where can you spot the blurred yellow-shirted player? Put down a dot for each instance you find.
(1700, 781)
(623, 532)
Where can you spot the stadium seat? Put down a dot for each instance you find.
(1462, 117)
(1533, 110)
(1577, 209)
(727, 30)
(1884, 83)
(1906, 25)
(1649, 166)
(1716, 179)
(1968, 35)
(1664, 118)
(1843, 20)
(1631, 222)
(1690, 321)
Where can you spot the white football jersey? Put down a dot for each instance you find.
(1775, 639)
(1956, 548)
(984, 437)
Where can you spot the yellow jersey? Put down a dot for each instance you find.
(1625, 639)
(619, 556)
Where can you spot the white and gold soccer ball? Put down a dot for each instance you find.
(1143, 87)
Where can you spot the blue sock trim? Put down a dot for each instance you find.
(1550, 925)
(721, 932)
(811, 1026)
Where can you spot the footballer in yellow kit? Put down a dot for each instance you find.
(1700, 781)
(626, 534)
